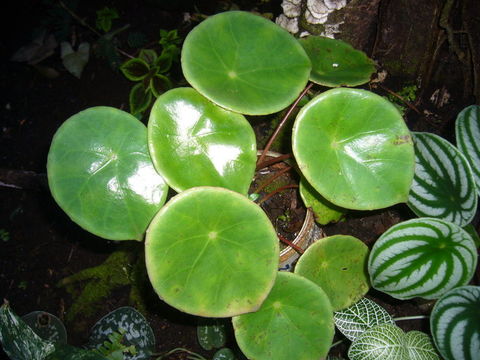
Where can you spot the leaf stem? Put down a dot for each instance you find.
(337, 343)
(282, 123)
(268, 196)
(272, 179)
(414, 317)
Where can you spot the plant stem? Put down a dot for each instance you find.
(272, 179)
(415, 317)
(268, 196)
(297, 248)
(282, 123)
(273, 161)
(391, 92)
(337, 343)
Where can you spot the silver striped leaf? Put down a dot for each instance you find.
(362, 315)
(443, 185)
(467, 132)
(423, 257)
(455, 323)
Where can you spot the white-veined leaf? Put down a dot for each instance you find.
(467, 131)
(423, 257)
(420, 346)
(443, 185)
(362, 315)
(455, 323)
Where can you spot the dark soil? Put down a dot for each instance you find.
(40, 245)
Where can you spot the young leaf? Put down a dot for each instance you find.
(336, 63)
(139, 98)
(423, 257)
(19, 341)
(443, 185)
(133, 329)
(148, 55)
(135, 69)
(455, 323)
(159, 84)
(105, 17)
(211, 334)
(359, 317)
(467, 131)
(163, 63)
(224, 354)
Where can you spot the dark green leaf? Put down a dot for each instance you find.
(136, 39)
(148, 55)
(67, 352)
(47, 326)
(135, 69)
(139, 99)
(163, 62)
(159, 84)
(106, 49)
(224, 354)
(211, 334)
(105, 18)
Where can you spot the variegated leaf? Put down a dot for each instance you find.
(362, 315)
(423, 257)
(467, 131)
(443, 185)
(420, 346)
(18, 339)
(455, 323)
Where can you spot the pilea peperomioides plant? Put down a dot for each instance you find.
(210, 250)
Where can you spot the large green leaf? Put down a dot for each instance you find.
(362, 315)
(200, 248)
(338, 264)
(294, 322)
(467, 131)
(423, 257)
(18, 339)
(337, 63)
(354, 148)
(134, 327)
(443, 186)
(193, 142)
(455, 323)
(245, 63)
(389, 342)
(102, 176)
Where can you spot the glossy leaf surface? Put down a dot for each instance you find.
(18, 340)
(193, 142)
(455, 323)
(294, 322)
(423, 257)
(443, 186)
(336, 63)
(362, 315)
(467, 131)
(354, 148)
(338, 264)
(102, 176)
(211, 333)
(212, 252)
(137, 332)
(245, 63)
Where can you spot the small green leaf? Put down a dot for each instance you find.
(105, 17)
(135, 69)
(361, 316)
(336, 63)
(148, 55)
(224, 354)
(19, 341)
(159, 84)
(211, 334)
(139, 99)
(163, 63)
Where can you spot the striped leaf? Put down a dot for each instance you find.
(443, 185)
(362, 315)
(467, 131)
(455, 323)
(423, 257)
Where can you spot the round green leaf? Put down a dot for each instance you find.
(423, 257)
(336, 63)
(467, 131)
(101, 174)
(338, 264)
(362, 315)
(443, 186)
(245, 63)
(47, 326)
(354, 148)
(212, 252)
(193, 142)
(325, 212)
(294, 322)
(455, 323)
